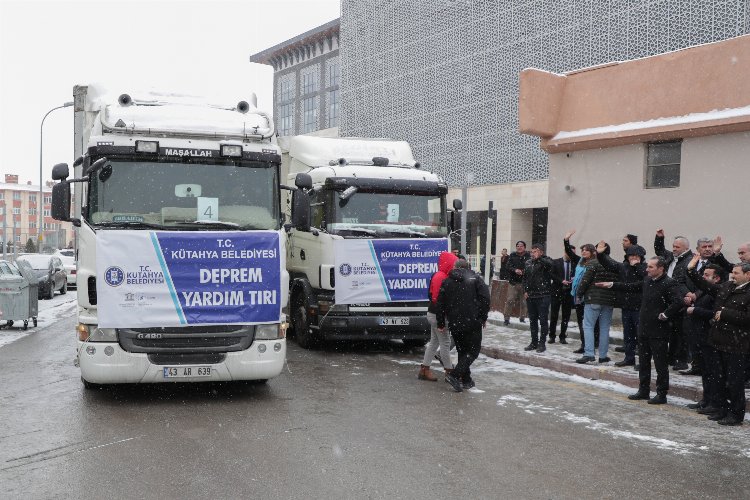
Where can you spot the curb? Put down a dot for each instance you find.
(525, 327)
(593, 372)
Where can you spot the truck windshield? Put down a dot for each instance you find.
(394, 215)
(184, 195)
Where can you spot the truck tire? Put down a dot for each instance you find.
(301, 323)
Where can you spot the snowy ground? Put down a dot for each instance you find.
(50, 311)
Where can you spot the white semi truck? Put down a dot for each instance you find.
(367, 226)
(180, 249)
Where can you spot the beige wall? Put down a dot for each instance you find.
(608, 198)
(507, 199)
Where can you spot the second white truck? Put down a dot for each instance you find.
(367, 226)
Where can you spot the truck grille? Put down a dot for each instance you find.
(187, 359)
(187, 340)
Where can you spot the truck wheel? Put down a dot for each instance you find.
(305, 337)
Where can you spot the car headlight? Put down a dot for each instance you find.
(270, 332)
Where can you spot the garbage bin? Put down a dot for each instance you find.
(18, 294)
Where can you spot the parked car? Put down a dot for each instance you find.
(68, 257)
(49, 271)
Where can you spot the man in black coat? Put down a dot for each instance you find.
(515, 266)
(677, 261)
(730, 336)
(464, 299)
(537, 286)
(660, 301)
(700, 313)
(563, 270)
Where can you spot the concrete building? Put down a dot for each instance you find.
(19, 207)
(307, 76)
(443, 75)
(658, 142)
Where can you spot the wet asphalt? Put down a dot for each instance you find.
(347, 421)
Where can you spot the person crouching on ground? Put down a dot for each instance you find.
(438, 338)
(464, 299)
(537, 287)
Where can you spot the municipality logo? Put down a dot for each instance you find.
(345, 269)
(114, 276)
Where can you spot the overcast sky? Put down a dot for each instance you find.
(200, 48)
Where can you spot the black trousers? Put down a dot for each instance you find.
(657, 349)
(729, 368)
(468, 344)
(564, 301)
(678, 352)
(709, 376)
(538, 309)
(693, 340)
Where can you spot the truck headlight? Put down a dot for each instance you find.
(231, 150)
(94, 334)
(269, 332)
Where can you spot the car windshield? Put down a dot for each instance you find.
(37, 262)
(185, 195)
(396, 215)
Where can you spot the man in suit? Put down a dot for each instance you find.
(660, 302)
(677, 261)
(562, 273)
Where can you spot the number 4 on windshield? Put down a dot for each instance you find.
(208, 209)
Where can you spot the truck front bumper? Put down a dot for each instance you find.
(108, 363)
(370, 328)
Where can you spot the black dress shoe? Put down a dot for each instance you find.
(604, 360)
(579, 351)
(625, 362)
(659, 399)
(717, 416)
(619, 348)
(522, 320)
(730, 420)
(563, 341)
(692, 371)
(506, 322)
(708, 410)
(541, 347)
(530, 347)
(585, 359)
(696, 406)
(551, 340)
(637, 367)
(468, 385)
(680, 366)
(638, 395)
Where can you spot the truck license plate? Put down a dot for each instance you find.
(186, 371)
(396, 321)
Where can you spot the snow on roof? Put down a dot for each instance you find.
(691, 118)
(23, 187)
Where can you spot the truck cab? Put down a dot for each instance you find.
(370, 191)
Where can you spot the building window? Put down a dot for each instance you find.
(48, 200)
(309, 115)
(16, 211)
(32, 198)
(309, 82)
(663, 164)
(32, 224)
(32, 211)
(334, 75)
(2, 196)
(16, 195)
(46, 213)
(18, 238)
(286, 112)
(333, 108)
(285, 91)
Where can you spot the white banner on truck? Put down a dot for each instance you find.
(390, 270)
(152, 279)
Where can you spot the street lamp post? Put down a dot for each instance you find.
(40, 203)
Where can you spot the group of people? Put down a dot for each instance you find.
(677, 307)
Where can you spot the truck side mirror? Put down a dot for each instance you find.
(457, 205)
(60, 172)
(301, 210)
(61, 201)
(303, 181)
